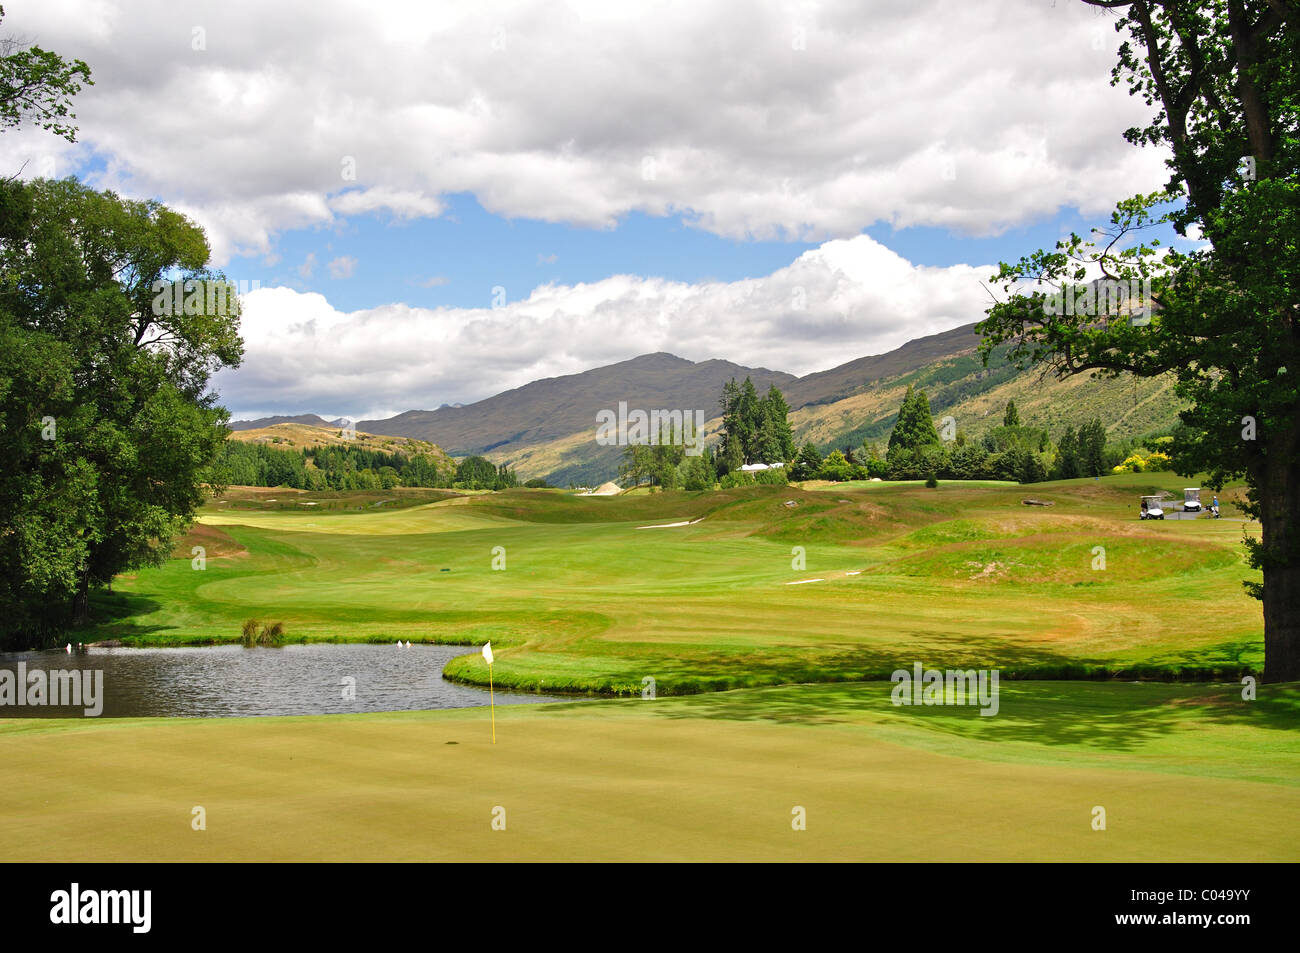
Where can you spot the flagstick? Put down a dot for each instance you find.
(492, 696)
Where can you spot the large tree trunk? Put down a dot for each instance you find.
(81, 601)
(1279, 510)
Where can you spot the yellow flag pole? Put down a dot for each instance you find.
(493, 698)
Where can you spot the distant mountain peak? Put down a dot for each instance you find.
(310, 420)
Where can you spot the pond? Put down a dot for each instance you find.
(233, 681)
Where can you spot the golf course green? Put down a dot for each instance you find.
(768, 618)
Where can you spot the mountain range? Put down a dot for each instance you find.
(547, 428)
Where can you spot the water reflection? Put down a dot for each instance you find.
(232, 681)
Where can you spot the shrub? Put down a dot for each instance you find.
(835, 467)
(931, 482)
(272, 634)
(696, 473)
(774, 477)
(1135, 462)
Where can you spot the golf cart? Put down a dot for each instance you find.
(1192, 499)
(1151, 509)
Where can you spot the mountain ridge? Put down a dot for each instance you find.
(546, 428)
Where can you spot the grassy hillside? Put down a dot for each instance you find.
(294, 436)
(827, 387)
(976, 397)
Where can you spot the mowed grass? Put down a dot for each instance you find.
(589, 601)
(1183, 773)
(772, 585)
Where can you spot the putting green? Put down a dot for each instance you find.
(1184, 773)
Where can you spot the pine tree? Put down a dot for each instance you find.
(915, 426)
(806, 463)
(1092, 448)
(1067, 456)
(776, 440)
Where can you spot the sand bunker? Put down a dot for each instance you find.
(605, 489)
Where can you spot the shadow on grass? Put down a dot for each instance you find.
(113, 617)
(1044, 698)
(702, 671)
(1099, 716)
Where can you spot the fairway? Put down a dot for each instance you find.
(1184, 773)
(578, 596)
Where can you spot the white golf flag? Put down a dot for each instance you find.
(487, 652)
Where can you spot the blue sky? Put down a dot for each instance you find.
(469, 252)
(474, 251)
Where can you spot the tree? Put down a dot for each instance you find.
(1224, 319)
(1030, 468)
(476, 473)
(1011, 418)
(1067, 456)
(807, 463)
(754, 429)
(695, 473)
(37, 86)
(835, 467)
(968, 462)
(505, 478)
(127, 427)
(1092, 449)
(638, 462)
(915, 426)
(775, 438)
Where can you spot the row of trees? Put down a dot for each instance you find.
(754, 429)
(666, 464)
(915, 450)
(480, 473)
(345, 467)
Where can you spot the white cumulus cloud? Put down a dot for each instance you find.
(846, 298)
(770, 120)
